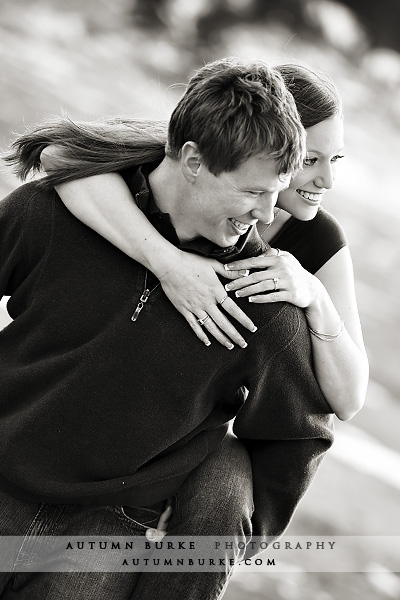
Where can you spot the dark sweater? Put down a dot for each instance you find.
(95, 408)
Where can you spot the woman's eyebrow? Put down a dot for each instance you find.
(341, 149)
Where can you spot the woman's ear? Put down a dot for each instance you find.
(190, 161)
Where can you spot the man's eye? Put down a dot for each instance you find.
(255, 193)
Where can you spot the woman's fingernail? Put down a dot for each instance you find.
(207, 343)
(243, 345)
(229, 286)
(254, 329)
(244, 272)
(230, 346)
(238, 294)
(251, 299)
(227, 267)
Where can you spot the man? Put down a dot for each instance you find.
(109, 405)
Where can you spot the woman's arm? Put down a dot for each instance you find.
(347, 362)
(105, 204)
(340, 364)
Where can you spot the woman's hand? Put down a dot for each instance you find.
(156, 535)
(196, 292)
(282, 277)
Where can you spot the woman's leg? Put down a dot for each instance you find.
(215, 500)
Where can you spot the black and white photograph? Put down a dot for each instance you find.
(199, 300)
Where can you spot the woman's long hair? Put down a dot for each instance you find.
(87, 148)
(94, 147)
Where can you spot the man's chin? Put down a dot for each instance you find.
(227, 242)
(228, 239)
(223, 239)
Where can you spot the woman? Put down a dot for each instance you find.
(312, 269)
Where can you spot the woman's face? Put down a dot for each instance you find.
(305, 192)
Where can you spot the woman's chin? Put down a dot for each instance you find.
(306, 213)
(299, 207)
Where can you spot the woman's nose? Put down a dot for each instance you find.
(325, 177)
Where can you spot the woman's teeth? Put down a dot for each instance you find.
(309, 195)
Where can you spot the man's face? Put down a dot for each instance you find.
(222, 208)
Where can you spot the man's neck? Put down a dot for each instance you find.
(168, 187)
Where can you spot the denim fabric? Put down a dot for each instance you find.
(216, 499)
(22, 518)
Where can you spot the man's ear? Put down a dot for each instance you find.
(190, 161)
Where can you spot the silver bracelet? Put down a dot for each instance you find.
(328, 337)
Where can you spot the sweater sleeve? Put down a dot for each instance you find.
(286, 425)
(25, 225)
(12, 262)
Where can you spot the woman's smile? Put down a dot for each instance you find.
(311, 198)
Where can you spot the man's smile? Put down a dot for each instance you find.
(240, 226)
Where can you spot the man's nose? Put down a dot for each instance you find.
(325, 177)
(264, 211)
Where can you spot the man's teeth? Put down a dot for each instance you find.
(309, 196)
(241, 226)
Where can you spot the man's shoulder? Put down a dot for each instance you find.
(23, 194)
(29, 210)
(278, 325)
(280, 316)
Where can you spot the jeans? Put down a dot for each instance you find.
(215, 500)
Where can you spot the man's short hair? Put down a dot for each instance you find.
(234, 110)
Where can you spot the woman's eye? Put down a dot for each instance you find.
(308, 162)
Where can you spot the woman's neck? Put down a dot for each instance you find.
(268, 232)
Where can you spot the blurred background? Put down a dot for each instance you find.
(96, 58)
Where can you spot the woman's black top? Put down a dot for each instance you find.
(313, 242)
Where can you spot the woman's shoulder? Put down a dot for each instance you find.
(312, 242)
(327, 220)
(327, 227)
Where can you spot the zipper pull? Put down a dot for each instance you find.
(137, 311)
(144, 296)
(143, 299)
